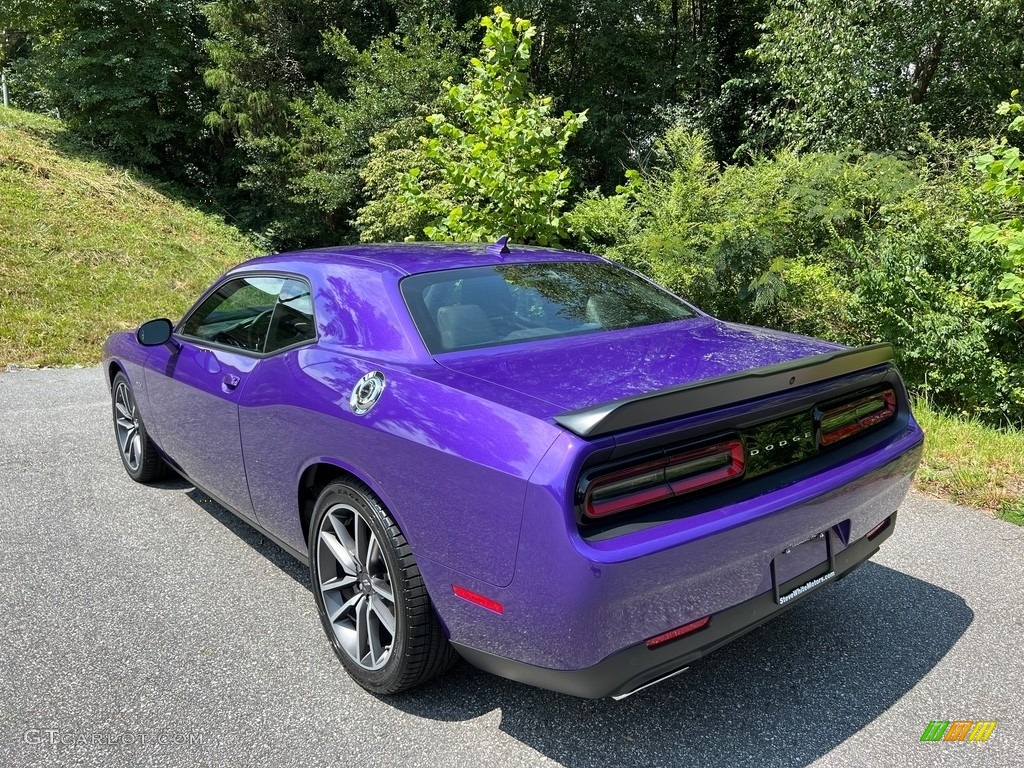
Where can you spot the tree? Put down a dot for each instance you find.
(268, 55)
(19, 25)
(389, 214)
(611, 59)
(126, 74)
(390, 81)
(499, 150)
(298, 93)
(871, 72)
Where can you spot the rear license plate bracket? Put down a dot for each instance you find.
(786, 590)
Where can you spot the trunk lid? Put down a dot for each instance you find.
(588, 370)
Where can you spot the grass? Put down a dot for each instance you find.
(972, 464)
(87, 247)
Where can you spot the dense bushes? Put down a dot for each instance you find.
(853, 247)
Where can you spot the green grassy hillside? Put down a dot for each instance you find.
(87, 247)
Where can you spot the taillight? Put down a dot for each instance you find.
(663, 478)
(847, 420)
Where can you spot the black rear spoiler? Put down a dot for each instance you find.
(723, 390)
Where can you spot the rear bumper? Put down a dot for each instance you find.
(635, 667)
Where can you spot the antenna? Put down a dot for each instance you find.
(500, 246)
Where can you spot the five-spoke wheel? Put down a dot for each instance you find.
(355, 585)
(370, 595)
(139, 455)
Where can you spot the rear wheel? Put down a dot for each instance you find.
(139, 455)
(370, 595)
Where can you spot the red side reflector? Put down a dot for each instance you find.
(663, 478)
(477, 599)
(675, 634)
(847, 420)
(879, 528)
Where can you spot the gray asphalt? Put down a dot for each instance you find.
(147, 626)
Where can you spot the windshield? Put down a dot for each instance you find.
(485, 306)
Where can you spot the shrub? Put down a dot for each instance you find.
(852, 247)
(1004, 179)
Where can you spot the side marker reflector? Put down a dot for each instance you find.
(477, 599)
(675, 634)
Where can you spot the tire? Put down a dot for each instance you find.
(369, 593)
(140, 457)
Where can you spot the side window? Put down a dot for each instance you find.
(237, 314)
(292, 322)
(256, 314)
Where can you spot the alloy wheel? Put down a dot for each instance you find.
(129, 440)
(356, 586)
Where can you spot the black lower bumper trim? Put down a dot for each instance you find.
(632, 668)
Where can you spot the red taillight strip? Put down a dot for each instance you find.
(737, 460)
(855, 421)
(477, 599)
(675, 634)
(663, 478)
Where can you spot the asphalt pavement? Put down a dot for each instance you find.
(147, 626)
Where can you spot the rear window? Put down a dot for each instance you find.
(486, 306)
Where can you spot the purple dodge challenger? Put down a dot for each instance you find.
(533, 459)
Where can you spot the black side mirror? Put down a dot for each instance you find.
(155, 332)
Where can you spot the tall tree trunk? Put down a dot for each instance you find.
(924, 71)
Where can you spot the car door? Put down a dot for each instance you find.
(194, 384)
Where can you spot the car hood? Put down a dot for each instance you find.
(582, 371)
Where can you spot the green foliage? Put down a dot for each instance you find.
(388, 214)
(393, 79)
(767, 243)
(269, 60)
(925, 286)
(265, 53)
(24, 88)
(302, 86)
(1004, 179)
(870, 72)
(638, 66)
(855, 247)
(125, 74)
(498, 151)
(612, 59)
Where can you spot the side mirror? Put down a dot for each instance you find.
(155, 332)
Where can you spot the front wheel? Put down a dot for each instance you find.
(139, 455)
(370, 595)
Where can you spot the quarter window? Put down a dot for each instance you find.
(256, 314)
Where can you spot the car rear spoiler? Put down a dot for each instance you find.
(723, 390)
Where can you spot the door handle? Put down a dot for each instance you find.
(229, 382)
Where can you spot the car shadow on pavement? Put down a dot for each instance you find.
(266, 547)
(785, 694)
